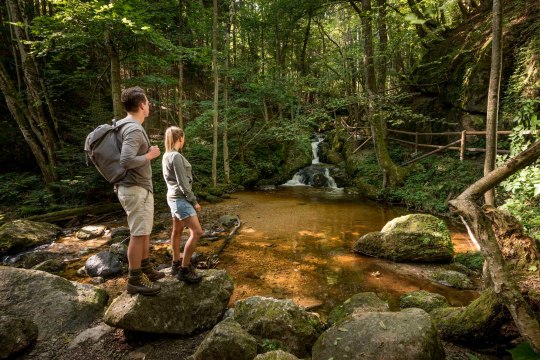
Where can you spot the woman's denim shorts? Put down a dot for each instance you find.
(181, 208)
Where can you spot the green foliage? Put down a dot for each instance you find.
(524, 351)
(471, 259)
(428, 186)
(14, 186)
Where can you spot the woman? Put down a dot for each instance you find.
(183, 204)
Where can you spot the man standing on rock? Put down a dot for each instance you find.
(135, 191)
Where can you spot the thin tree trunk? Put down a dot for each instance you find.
(493, 97)
(303, 66)
(181, 65)
(226, 160)
(503, 281)
(216, 92)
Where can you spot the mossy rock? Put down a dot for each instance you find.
(276, 355)
(409, 238)
(473, 260)
(453, 279)
(477, 324)
(19, 235)
(422, 299)
(366, 301)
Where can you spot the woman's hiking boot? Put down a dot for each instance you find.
(149, 270)
(175, 267)
(138, 283)
(189, 275)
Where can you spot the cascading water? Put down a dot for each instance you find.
(317, 174)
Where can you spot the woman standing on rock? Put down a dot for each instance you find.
(183, 204)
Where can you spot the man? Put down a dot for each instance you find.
(135, 191)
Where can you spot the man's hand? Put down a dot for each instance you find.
(153, 152)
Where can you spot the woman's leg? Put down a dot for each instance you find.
(195, 233)
(176, 233)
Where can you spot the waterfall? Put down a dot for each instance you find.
(317, 174)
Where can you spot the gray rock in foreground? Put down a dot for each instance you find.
(54, 304)
(104, 264)
(366, 301)
(19, 235)
(227, 341)
(90, 232)
(405, 335)
(281, 322)
(179, 308)
(16, 334)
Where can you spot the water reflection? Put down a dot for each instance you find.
(296, 243)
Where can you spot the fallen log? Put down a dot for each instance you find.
(69, 214)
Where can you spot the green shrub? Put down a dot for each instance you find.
(473, 260)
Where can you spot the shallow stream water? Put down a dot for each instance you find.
(295, 243)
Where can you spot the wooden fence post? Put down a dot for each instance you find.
(462, 148)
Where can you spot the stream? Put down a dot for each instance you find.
(295, 243)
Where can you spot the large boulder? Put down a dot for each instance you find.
(422, 299)
(404, 335)
(227, 341)
(20, 235)
(104, 263)
(409, 238)
(16, 334)
(366, 301)
(281, 322)
(483, 322)
(54, 304)
(179, 308)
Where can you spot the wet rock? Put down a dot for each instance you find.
(281, 321)
(366, 301)
(53, 266)
(90, 232)
(20, 235)
(227, 341)
(91, 335)
(453, 279)
(276, 355)
(404, 335)
(179, 308)
(119, 250)
(103, 264)
(227, 220)
(119, 234)
(410, 238)
(54, 304)
(422, 299)
(16, 334)
(483, 322)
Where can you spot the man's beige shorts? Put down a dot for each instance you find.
(139, 206)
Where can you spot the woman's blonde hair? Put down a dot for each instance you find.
(172, 135)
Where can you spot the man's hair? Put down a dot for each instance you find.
(132, 98)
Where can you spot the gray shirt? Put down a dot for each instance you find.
(135, 145)
(178, 176)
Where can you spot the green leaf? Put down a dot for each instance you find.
(533, 268)
(472, 357)
(342, 329)
(524, 351)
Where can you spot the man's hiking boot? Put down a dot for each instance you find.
(149, 271)
(189, 275)
(138, 283)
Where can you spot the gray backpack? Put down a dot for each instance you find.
(103, 148)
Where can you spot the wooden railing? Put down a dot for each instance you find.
(452, 146)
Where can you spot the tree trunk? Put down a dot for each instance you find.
(216, 92)
(395, 173)
(116, 80)
(226, 160)
(502, 279)
(33, 112)
(181, 65)
(492, 113)
(303, 66)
